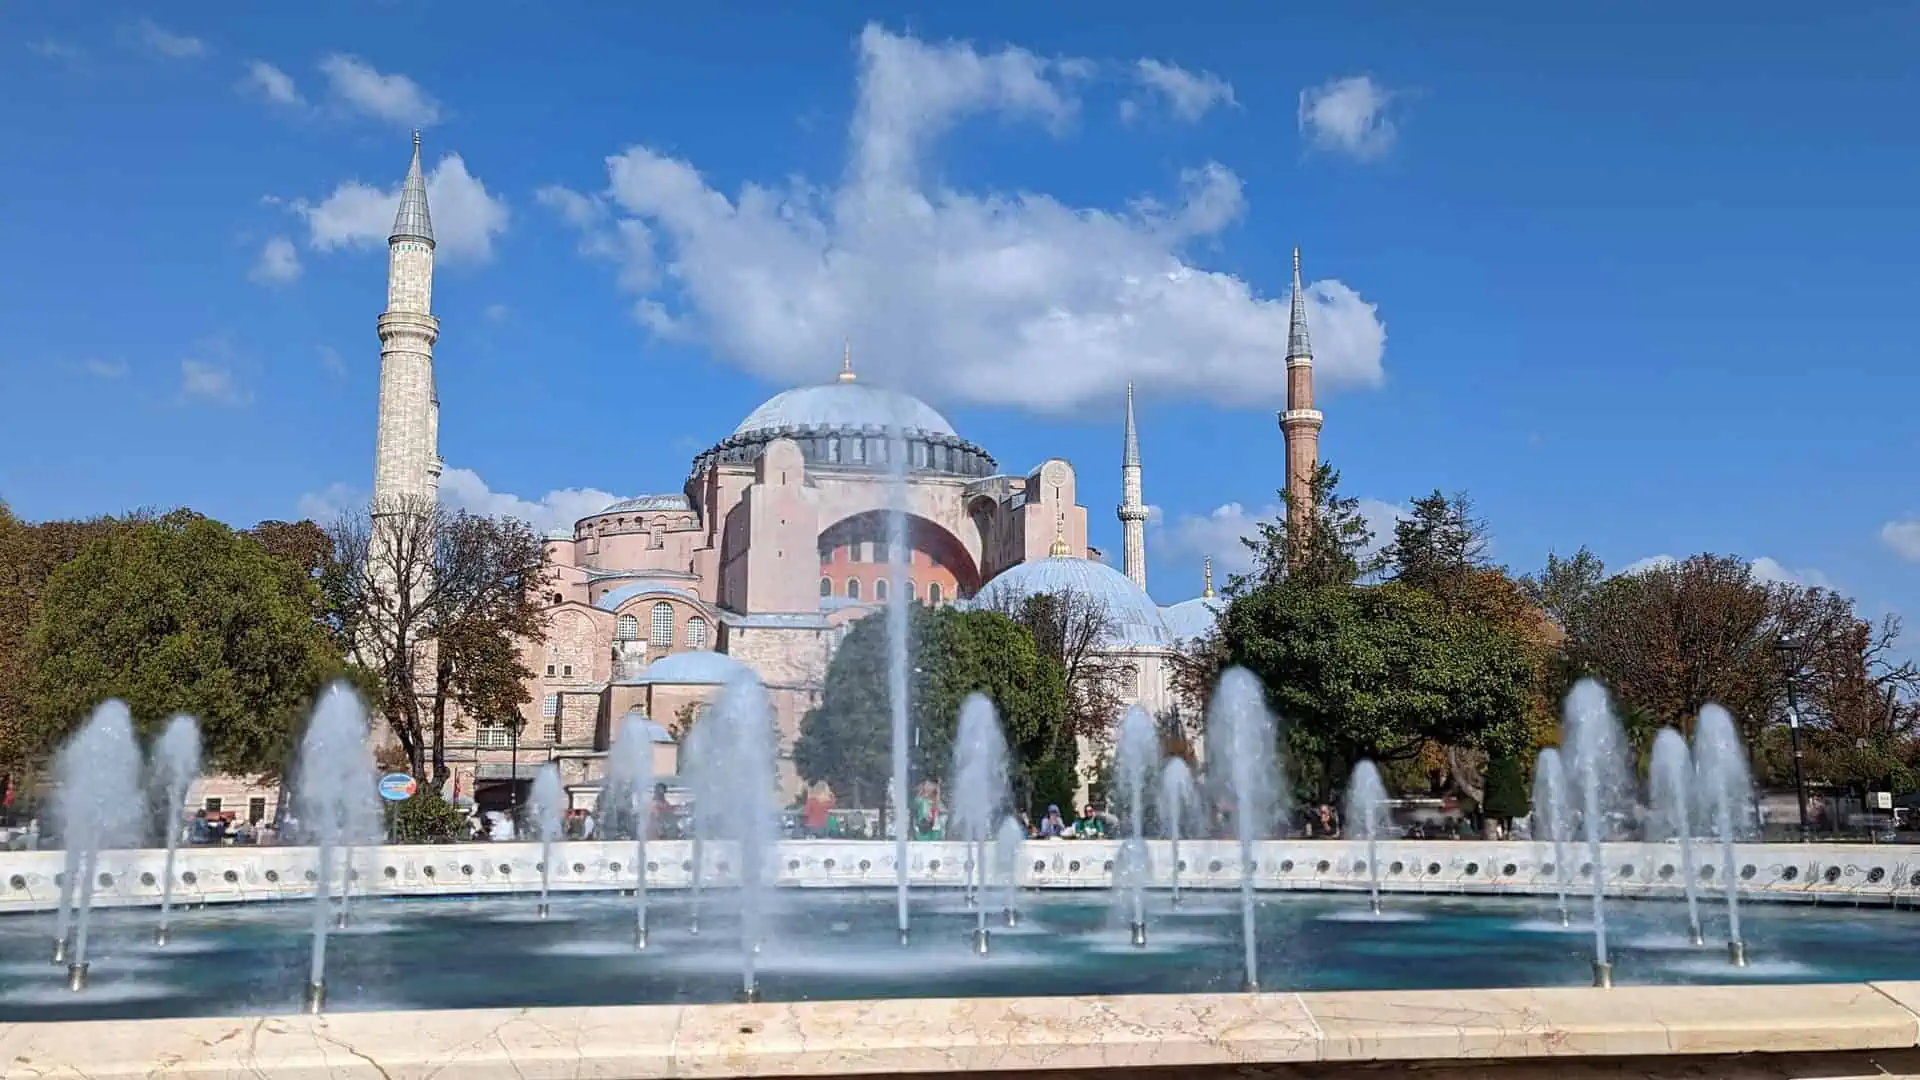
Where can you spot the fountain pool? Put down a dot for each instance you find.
(840, 944)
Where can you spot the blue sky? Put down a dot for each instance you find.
(1638, 276)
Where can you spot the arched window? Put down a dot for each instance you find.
(913, 592)
(826, 586)
(853, 588)
(626, 628)
(696, 633)
(880, 589)
(662, 636)
(558, 599)
(933, 592)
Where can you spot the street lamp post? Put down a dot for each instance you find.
(513, 772)
(1789, 650)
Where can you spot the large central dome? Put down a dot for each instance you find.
(845, 405)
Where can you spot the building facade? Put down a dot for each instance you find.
(776, 542)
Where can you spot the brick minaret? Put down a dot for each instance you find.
(1300, 424)
(1132, 511)
(406, 457)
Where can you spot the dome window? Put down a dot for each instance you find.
(626, 628)
(696, 633)
(662, 636)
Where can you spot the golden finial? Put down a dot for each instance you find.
(1061, 549)
(846, 362)
(1207, 573)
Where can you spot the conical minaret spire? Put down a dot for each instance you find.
(406, 465)
(412, 222)
(1206, 578)
(846, 361)
(1300, 423)
(1132, 511)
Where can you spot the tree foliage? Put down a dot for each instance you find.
(846, 741)
(1333, 550)
(1378, 671)
(1508, 795)
(426, 818)
(1566, 587)
(1075, 631)
(437, 604)
(181, 614)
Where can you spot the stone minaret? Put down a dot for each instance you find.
(1300, 424)
(1132, 512)
(406, 457)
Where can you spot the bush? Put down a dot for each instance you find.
(1506, 786)
(426, 818)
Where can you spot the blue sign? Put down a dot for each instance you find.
(397, 787)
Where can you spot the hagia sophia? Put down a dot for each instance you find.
(776, 543)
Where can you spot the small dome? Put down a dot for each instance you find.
(1191, 620)
(698, 667)
(845, 405)
(1136, 621)
(649, 502)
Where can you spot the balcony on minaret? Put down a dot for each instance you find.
(1302, 417)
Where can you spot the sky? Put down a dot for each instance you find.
(1637, 276)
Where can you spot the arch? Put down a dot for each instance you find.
(853, 588)
(626, 628)
(826, 586)
(696, 633)
(933, 594)
(661, 630)
(880, 590)
(935, 553)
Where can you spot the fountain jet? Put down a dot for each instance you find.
(335, 799)
(1551, 813)
(739, 745)
(1600, 778)
(95, 772)
(898, 553)
(1238, 718)
(630, 786)
(1007, 846)
(546, 804)
(1726, 791)
(1366, 819)
(1178, 803)
(980, 797)
(176, 762)
(1671, 782)
(1137, 760)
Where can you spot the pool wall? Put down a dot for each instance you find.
(1725, 1032)
(1823, 873)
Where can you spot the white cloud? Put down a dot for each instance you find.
(50, 49)
(496, 313)
(1217, 534)
(331, 362)
(327, 506)
(1190, 96)
(1348, 116)
(466, 217)
(1902, 538)
(463, 489)
(1651, 562)
(393, 98)
(278, 264)
(104, 369)
(162, 42)
(992, 297)
(272, 84)
(210, 383)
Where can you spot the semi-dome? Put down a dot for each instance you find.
(1191, 620)
(1136, 621)
(845, 405)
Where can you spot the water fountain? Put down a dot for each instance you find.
(1366, 818)
(897, 624)
(1135, 761)
(629, 785)
(335, 800)
(176, 762)
(546, 805)
(1600, 780)
(1178, 802)
(707, 793)
(1725, 790)
(1007, 844)
(96, 771)
(1238, 716)
(1670, 784)
(740, 745)
(980, 797)
(1552, 814)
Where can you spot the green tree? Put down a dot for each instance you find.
(1333, 551)
(181, 614)
(426, 818)
(1507, 792)
(1565, 587)
(1438, 544)
(1379, 672)
(846, 740)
